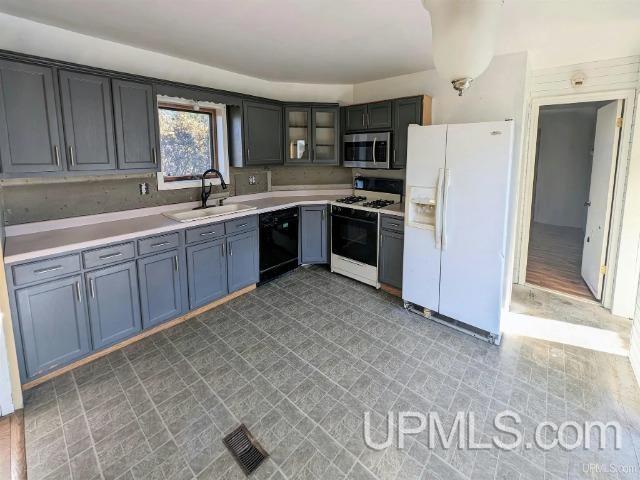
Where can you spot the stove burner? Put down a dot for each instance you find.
(378, 203)
(352, 199)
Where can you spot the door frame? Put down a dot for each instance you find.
(528, 177)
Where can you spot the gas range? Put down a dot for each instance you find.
(368, 202)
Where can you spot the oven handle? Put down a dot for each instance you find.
(333, 215)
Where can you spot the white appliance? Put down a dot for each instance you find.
(457, 224)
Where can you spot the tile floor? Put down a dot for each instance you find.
(298, 361)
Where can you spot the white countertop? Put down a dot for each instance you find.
(31, 241)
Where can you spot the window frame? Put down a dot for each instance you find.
(219, 143)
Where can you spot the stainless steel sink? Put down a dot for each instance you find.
(192, 215)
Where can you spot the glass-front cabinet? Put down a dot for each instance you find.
(312, 135)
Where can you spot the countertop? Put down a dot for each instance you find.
(62, 236)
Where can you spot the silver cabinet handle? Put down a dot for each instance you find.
(205, 234)
(92, 288)
(47, 270)
(248, 154)
(394, 224)
(56, 152)
(324, 211)
(242, 226)
(78, 292)
(154, 156)
(161, 244)
(363, 120)
(368, 119)
(175, 262)
(230, 250)
(223, 249)
(111, 255)
(73, 161)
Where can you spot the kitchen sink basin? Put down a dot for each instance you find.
(201, 214)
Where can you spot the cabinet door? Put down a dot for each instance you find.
(390, 262)
(29, 129)
(160, 292)
(313, 234)
(134, 125)
(54, 326)
(207, 272)
(87, 115)
(242, 260)
(297, 128)
(406, 112)
(356, 117)
(326, 135)
(114, 304)
(262, 133)
(379, 114)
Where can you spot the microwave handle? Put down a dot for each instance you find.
(375, 139)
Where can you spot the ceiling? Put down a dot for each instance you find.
(335, 41)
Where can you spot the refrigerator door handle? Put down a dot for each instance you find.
(438, 229)
(445, 197)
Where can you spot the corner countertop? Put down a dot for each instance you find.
(42, 239)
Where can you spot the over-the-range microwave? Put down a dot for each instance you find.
(367, 150)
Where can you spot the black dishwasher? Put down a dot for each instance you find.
(278, 243)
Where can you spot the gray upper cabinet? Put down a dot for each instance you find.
(133, 109)
(160, 287)
(356, 117)
(379, 115)
(29, 126)
(313, 234)
(207, 272)
(326, 135)
(312, 135)
(406, 111)
(262, 123)
(87, 113)
(297, 128)
(53, 323)
(242, 261)
(114, 305)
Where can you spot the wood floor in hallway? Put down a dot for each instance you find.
(554, 259)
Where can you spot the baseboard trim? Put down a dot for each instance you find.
(138, 337)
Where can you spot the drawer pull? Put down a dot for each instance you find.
(394, 224)
(175, 262)
(47, 270)
(242, 226)
(78, 292)
(111, 255)
(92, 288)
(204, 234)
(161, 244)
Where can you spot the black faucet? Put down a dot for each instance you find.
(204, 195)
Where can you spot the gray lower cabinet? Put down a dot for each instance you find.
(207, 272)
(262, 124)
(242, 260)
(53, 323)
(29, 124)
(390, 261)
(160, 287)
(313, 234)
(87, 113)
(114, 304)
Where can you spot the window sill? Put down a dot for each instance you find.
(180, 184)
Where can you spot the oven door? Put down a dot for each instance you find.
(367, 150)
(354, 234)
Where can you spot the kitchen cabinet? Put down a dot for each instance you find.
(262, 124)
(242, 260)
(87, 114)
(54, 325)
(114, 305)
(313, 234)
(207, 272)
(356, 117)
(160, 287)
(391, 251)
(312, 135)
(134, 117)
(29, 123)
(371, 116)
(407, 111)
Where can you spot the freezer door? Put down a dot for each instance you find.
(425, 154)
(475, 215)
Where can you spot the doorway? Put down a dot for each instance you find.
(577, 148)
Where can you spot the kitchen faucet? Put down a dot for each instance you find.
(204, 195)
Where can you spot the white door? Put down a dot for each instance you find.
(605, 153)
(474, 231)
(421, 266)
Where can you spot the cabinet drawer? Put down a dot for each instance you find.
(108, 255)
(390, 222)
(205, 232)
(159, 243)
(241, 224)
(45, 269)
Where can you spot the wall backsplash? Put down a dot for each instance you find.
(34, 200)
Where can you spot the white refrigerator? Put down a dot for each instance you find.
(458, 223)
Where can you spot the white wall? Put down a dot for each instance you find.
(563, 171)
(634, 344)
(25, 36)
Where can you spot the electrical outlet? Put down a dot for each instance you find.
(252, 179)
(144, 188)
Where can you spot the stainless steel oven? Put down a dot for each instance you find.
(367, 150)
(354, 234)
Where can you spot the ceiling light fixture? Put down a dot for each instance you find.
(464, 36)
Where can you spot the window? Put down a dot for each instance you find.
(192, 140)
